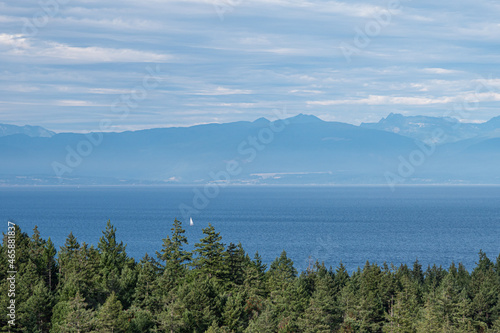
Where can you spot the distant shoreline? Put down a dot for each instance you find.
(243, 185)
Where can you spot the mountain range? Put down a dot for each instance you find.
(298, 150)
(33, 131)
(422, 127)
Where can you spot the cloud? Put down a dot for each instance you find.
(237, 105)
(21, 46)
(439, 71)
(76, 103)
(73, 103)
(109, 91)
(223, 91)
(355, 9)
(94, 54)
(305, 91)
(404, 100)
(264, 54)
(20, 88)
(13, 41)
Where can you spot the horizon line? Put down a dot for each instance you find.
(462, 121)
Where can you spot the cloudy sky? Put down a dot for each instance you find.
(69, 64)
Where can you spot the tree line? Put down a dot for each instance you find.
(220, 288)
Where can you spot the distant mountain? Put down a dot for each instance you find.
(424, 128)
(492, 125)
(32, 131)
(299, 150)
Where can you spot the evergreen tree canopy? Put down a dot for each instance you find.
(220, 289)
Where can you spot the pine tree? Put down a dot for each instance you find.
(447, 309)
(496, 327)
(144, 293)
(371, 305)
(171, 318)
(234, 315)
(264, 322)
(127, 283)
(235, 262)
(78, 318)
(82, 275)
(67, 254)
(37, 309)
(341, 278)
(281, 272)
(404, 307)
(417, 273)
(257, 262)
(50, 264)
(485, 288)
(36, 250)
(172, 252)
(433, 277)
(497, 266)
(110, 316)
(210, 254)
(430, 322)
(214, 328)
(349, 302)
(27, 279)
(200, 301)
(254, 276)
(254, 286)
(113, 260)
(142, 321)
(320, 315)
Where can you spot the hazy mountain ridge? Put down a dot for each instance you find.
(423, 127)
(32, 131)
(299, 150)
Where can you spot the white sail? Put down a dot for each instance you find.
(191, 221)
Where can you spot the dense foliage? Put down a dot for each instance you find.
(219, 288)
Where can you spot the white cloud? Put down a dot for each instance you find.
(237, 105)
(223, 91)
(260, 40)
(94, 54)
(75, 103)
(305, 91)
(404, 100)
(285, 51)
(115, 23)
(337, 7)
(109, 91)
(439, 71)
(13, 41)
(20, 88)
(264, 54)
(23, 47)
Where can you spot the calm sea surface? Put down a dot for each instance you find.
(435, 224)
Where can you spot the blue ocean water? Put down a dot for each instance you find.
(436, 224)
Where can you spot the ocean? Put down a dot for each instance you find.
(434, 224)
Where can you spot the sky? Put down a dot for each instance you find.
(70, 65)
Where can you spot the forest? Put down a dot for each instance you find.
(220, 288)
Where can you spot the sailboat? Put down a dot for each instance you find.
(191, 221)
